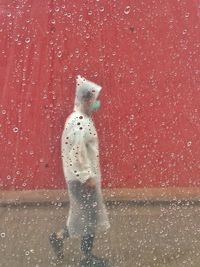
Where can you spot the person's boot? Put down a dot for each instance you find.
(57, 246)
(93, 261)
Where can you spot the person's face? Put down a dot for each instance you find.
(87, 105)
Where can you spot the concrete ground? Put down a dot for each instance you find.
(141, 236)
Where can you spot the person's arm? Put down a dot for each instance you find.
(80, 163)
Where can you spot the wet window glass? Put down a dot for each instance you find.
(99, 133)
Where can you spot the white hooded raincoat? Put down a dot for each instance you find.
(80, 156)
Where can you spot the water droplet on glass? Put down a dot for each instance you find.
(8, 177)
(189, 143)
(101, 9)
(9, 14)
(87, 36)
(187, 15)
(80, 17)
(53, 21)
(59, 54)
(27, 253)
(127, 10)
(3, 235)
(90, 13)
(57, 9)
(4, 112)
(27, 40)
(15, 130)
(95, 204)
(185, 31)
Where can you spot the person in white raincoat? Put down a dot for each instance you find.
(80, 157)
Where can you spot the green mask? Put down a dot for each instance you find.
(96, 105)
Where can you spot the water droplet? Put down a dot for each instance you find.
(87, 36)
(4, 112)
(102, 9)
(27, 253)
(9, 14)
(3, 235)
(53, 21)
(90, 13)
(57, 9)
(15, 130)
(187, 15)
(127, 10)
(185, 31)
(80, 17)
(8, 177)
(189, 143)
(59, 54)
(27, 40)
(94, 204)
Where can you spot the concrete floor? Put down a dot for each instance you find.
(141, 236)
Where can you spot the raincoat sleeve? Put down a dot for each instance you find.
(80, 162)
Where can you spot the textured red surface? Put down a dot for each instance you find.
(146, 57)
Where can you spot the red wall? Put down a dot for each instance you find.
(148, 62)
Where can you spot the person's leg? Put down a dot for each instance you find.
(87, 244)
(57, 242)
(90, 207)
(88, 258)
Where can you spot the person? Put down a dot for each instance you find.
(80, 157)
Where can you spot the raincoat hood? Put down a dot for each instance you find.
(83, 88)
